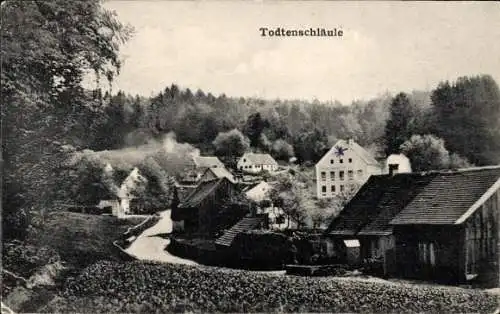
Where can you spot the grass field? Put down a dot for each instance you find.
(111, 287)
(81, 239)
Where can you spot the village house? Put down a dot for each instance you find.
(343, 167)
(441, 226)
(204, 210)
(255, 163)
(258, 192)
(217, 173)
(207, 162)
(276, 217)
(118, 197)
(197, 167)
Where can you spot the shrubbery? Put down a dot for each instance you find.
(155, 288)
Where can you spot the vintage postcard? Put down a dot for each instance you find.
(250, 156)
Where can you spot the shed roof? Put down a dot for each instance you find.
(449, 196)
(260, 159)
(245, 224)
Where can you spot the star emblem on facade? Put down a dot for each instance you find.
(339, 151)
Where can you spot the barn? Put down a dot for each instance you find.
(450, 231)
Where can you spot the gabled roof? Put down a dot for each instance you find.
(245, 224)
(356, 148)
(250, 187)
(260, 159)
(451, 197)
(399, 190)
(221, 173)
(361, 209)
(207, 162)
(203, 190)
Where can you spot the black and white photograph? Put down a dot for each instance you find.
(250, 156)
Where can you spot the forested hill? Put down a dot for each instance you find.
(283, 127)
(459, 121)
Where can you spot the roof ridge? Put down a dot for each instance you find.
(459, 170)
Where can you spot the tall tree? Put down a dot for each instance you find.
(467, 116)
(232, 143)
(47, 46)
(254, 127)
(397, 129)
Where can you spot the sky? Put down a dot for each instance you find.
(385, 47)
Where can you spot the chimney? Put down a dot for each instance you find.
(349, 142)
(393, 169)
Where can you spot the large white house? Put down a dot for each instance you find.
(345, 166)
(255, 163)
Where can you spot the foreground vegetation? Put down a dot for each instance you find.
(147, 287)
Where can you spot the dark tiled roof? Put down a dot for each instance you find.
(203, 190)
(361, 209)
(245, 224)
(399, 190)
(448, 196)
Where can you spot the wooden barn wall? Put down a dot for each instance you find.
(482, 235)
(430, 252)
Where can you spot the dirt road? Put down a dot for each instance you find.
(150, 247)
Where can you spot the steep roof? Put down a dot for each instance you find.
(361, 209)
(207, 162)
(203, 190)
(366, 156)
(245, 224)
(260, 159)
(399, 190)
(449, 197)
(221, 172)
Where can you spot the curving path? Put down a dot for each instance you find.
(150, 247)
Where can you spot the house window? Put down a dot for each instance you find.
(341, 161)
(341, 188)
(360, 173)
(323, 175)
(332, 175)
(333, 188)
(350, 174)
(341, 175)
(350, 160)
(323, 189)
(244, 160)
(331, 161)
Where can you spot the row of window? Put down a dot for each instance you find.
(350, 175)
(333, 188)
(340, 161)
(254, 166)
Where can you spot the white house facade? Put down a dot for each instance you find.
(255, 163)
(345, 166)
